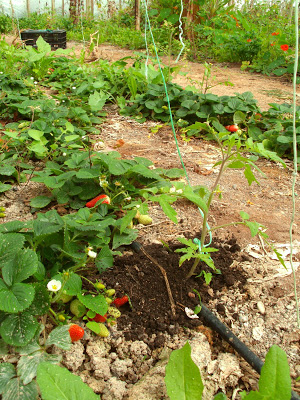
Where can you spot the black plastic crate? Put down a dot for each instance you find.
(57, 39)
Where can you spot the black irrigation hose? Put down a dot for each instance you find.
(218, 326)
(213, 322)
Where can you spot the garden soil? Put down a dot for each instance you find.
(253, 294)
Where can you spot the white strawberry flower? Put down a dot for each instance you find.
(190, 313)
(54, 285)
(172, 190)
(179, 191)
(91, 253)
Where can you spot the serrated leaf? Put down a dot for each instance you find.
(17, 391)
(40, 201)
(124, 238)
(183, 379)
(10, 243)
(41, 301)
(28, 365)
(73, 285)
(4, 187)
(194, 198)
(58, 383)
(97, 100)
(97, 304)
(126, 220)
(16, 298)
(7, 371)
(25, 264)
(18, 329)
(164, 202)
(44, 228)
(12, 226)
(3, 347)
(94, 327)
(104, 259)
(239, 117)
(60, 337)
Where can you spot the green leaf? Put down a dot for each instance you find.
(12, 226)
(17, 391)
(97, 100)
(4, 187)
(57, 383)
(35, 134)
(24, 265)
(94, 327)
(220, 396)
(254, 227)
(60, 337)
(7, 170)
(10, 243)
(104, 259)
(125, 221)
(40, 201)
(166, 207)
(239, 117)
(275, 381)
(194, 198)
(16, 298)
(41, 301)
(18, 329)
(183, 379)
(97, 304)
(28, 365)
(7, 371)
(43, 46)
(124, 238)
(73, 285)
(244, 215)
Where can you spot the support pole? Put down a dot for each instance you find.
(137, 15)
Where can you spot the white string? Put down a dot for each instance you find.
(181, 33)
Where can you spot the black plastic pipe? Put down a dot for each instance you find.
(213, 322)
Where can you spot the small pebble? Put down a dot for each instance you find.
(261, 307)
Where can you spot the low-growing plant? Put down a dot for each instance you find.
(183, 378)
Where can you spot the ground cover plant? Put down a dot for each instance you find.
(44, 260)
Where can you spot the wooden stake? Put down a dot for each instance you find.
(137, 15)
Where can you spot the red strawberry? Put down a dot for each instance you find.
(120, 301)
(99, 318)
(76, 332)
(232, 128)
(92, 203)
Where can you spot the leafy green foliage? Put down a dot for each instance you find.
(183, 379)
(55, 382)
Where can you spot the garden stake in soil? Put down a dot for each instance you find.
(137, 247)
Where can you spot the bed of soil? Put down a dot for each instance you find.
(253, 295)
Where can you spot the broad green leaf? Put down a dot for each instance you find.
(3, 347)
(194, 198)
(275, 380)
(125, 238)
(93, 326)
(73, 285)
(244, 215)
(16, 298)
(18, 329)
(57, 383)
(4, 187)
(97, 100)
(239, 117)
(12, 226)
(24, 265)
(10, 243)
(7, 170)
(43, 46)
(17, 391)
(60, 337)
(97, 304)
(35, 134)
(254, 227)
(104, 259)
(126, 220)
(7, 371)
(183, 379)
(28, 365)
(41, 301)
(40, 201)
(45, 227)
(166, 207)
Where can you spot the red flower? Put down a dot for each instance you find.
(249, 40)
(275, 33)
(284, 47)
(273, 44)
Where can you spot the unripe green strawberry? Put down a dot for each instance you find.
(108, 300)
(110, 292)
(104, 332)
(99, 286)
(145, 219)
(61, 318)
(2, 215)
(130, 226)
(114, 312)
(65, 298)
(77, 308)
(137, 215)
